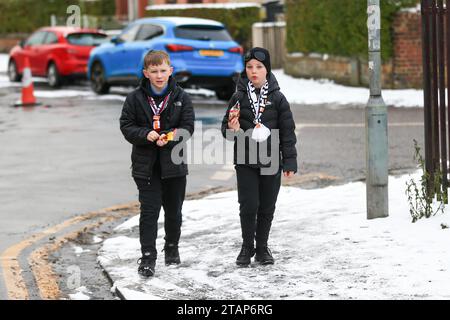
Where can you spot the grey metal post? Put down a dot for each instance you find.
(132, 10)
(85, 21)
(376, 123)
(53, 21)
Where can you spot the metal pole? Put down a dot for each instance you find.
(85, 21)
(434, 95)
(376, 123)
(442, 105)
(447, 43)
(53, 21)
(132, 10)
(426, 56)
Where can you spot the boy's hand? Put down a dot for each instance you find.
(288, 174)
(233, 115)
(234, 124)
(152, 136)
(162, 141)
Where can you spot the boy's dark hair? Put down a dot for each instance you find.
(155, 58)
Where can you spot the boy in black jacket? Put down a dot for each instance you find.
(151, 116)
(260, 108)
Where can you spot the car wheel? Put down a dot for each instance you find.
(53, 77)
(225, 93)
(13, 75)
(98, 81)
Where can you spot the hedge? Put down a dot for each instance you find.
(238, 21)
(338, 27)
(25, 16)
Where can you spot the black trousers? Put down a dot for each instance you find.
(257, 195)
(168, 193)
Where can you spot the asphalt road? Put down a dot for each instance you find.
(70, 158)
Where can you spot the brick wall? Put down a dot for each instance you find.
(407, 62)
(9, 41)
(342, 70)
(122, 9)
(141, 7)
(404, 70)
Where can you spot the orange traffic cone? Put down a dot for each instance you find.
(28, 98)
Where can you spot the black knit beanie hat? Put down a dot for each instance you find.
(260, 54)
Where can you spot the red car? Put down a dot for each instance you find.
(57, 53)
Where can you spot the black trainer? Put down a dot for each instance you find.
(146, 265)
(244, 257)
(264, 256)
(172, 256)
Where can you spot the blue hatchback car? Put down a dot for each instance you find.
(201, 51)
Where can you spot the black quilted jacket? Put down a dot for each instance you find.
(136, 123)
(277, 115)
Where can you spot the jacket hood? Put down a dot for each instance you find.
(243, 82)
(144, 84)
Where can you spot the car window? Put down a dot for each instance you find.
(51, 38)
(202, 32)
(149, 31)
(130, 34)
(36, 38)
(86, 39)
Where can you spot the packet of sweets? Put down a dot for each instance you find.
(169, 136)
(234, 111)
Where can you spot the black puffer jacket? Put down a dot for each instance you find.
(277, 115)
(136, 122)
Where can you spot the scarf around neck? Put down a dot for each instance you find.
(258, 103)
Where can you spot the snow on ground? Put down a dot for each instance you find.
(81, 294)
(201, 92)
(4, 58)
(415, 9)
(5, 83)
(63, 93)
(97, 239)
(136, 295)
(128, 225)
(79, 250)
(324, 247)
(107, 97)
(310, 91)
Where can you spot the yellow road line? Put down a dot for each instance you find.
(12, 273)
(15, 285)
(46, 280)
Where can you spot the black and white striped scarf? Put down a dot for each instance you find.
(258, 105)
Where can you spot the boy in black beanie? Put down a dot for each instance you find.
(262, 108)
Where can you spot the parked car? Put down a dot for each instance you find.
(201, 51)
(57, 53)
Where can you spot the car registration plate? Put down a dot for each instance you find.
(211, 53)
